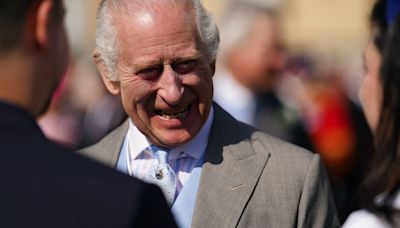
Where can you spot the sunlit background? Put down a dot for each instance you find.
(332, 33)
(327, 36)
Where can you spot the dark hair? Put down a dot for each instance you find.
(383, 175)
(13, 16)
(378, 21)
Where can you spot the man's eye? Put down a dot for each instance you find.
(150, 73)
(184, 67)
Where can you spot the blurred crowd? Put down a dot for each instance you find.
(81, 112)
(294, 94)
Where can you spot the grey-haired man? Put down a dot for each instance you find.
(159, 56)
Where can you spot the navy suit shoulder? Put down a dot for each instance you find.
(44, 184)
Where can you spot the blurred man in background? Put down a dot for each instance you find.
(252, 61)
(42, 183)
(290, 98)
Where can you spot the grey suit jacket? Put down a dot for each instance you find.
(249, 179)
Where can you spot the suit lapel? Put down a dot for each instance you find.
(231, 171)
(108, 149)
(233, 164)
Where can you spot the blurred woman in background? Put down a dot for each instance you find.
(380, 98)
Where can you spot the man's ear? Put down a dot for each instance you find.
(42, 23)
(212, 67)
(112, 86)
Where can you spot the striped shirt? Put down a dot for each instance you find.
(182, 159)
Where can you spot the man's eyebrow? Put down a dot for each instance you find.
(159, 62)
(147, 64)
(196, 56)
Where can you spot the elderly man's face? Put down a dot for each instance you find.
(259, 59)
(165, 79)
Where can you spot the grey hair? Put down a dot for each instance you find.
(236, 22)
(107, 44)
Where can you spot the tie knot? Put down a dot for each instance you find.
(161, 153)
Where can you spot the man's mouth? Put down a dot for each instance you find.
(178, 114)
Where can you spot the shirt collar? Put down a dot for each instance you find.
(138, 142)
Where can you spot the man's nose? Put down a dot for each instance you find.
(171, 89)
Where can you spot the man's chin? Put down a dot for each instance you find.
(172, 139)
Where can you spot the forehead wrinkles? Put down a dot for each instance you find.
(148, 25)
(175, 40)
(158, 8)
(152, 12)
(163, 50)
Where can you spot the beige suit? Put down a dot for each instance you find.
(249, 179)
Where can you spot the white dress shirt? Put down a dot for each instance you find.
(366, 219)
(182, 159)
(236, 99)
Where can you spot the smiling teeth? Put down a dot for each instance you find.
(176, 115)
